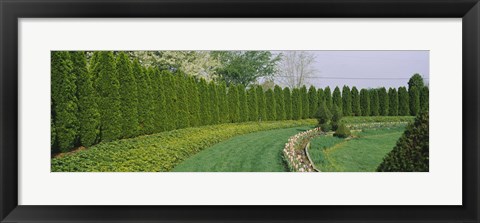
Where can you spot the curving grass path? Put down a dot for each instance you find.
(254, 152)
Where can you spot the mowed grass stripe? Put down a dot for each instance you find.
(254, 152)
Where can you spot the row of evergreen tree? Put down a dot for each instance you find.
(111, 97)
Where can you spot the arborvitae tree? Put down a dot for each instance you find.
(53, 133)
(356, 108)
(305, 104)
(280, 103)
(145, 108)
(414, 100)
(109, 98)
(337, 98)
(424, 98)
(415, 81)
(296, 104)
(271, 105)
(222, 102)
(383, 101)
(411, 153)
(233, 104)
(88, 115)
(92, 63)
(64, 100)
(128, 96)
(182, 101)
(287, 97)
(214, 104)
(337, 115)
(320, 97)
(171, 101)
(242, 98)
(158, 98)
(328, 98)
(403, 102)
(252, 104)
(312, 101)
(364, 102)
(392, 102)
(193, 101)
(262, 104)
(374, 103)
(346, 101)
(205, 112)
(323, 113)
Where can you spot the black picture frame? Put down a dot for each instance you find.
(11, 11)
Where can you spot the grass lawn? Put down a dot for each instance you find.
(361, 154)
(254, 152)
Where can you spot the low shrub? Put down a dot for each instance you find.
(326, 127)
(342, 131)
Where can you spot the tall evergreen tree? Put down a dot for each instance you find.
(305, 105)
(392, 102)
(223, 102)
(337, 98)
(214, 106)
(346, 101)
(403, 102)
(424, 98)
(296, 104)
(280, 103)
(320, 97)
(312, 101)
(252, 104)
(145, 99)
(271, 105)
(383, 101)
(194, 101)
(374, 102)
(128, 96)
(415, 81)
(109, 97)
(356, 109)
(158, 98)
(242, 98)
(64, 100)
(287, 97)
(262, 104)
(364, 102)
(414, 100)
(233, 104)
(171, 101)
(88, 115)
(183, 114)
(205, 112)
(328, 98)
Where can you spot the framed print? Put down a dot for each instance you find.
(239, 111)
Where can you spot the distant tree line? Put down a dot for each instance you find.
(110, 97)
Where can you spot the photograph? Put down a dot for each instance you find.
(240, 111)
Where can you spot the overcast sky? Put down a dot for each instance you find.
(368, 69)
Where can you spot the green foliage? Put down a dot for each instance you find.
(356, 109)
(109, 105)
(383, 101)
(88, 115)
(296, 104)
(223, 102)
(181, 107)
(145, 107)
(415, 81)
(194, 100)
(158, 99)
(245, 67)
(159, 152)
(64, 100)
(214, 104)
(271, 105)
(424, 98)
(346, 101)
(280, 103)
(392, 102)
(328, 98)
(320, 96)
(364, 102)
(312, 101)
(411, 154)
(205, 111)
(252, 104)
(287, 96)
(325, 127)
(374, 102)
(305, 105)
(342, 131)
(171, 101)
(233, 104)
(262, 104)
(403, 102)
(128, 96)
(337, 98)
(336, 117)
(323, 114)
(372, 119)
(242, 99)
(414, 100)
